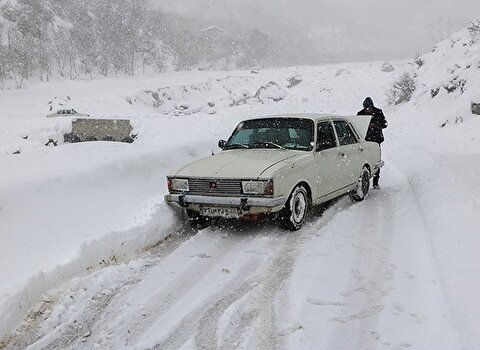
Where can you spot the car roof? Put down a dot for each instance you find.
(312, 116)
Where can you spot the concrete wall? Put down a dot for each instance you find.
(86, 129)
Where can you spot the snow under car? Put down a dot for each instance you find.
(279, 164)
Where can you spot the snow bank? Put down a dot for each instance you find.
(449, 206)
(202, 97)
(70, 209)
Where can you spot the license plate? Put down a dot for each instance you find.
(220, 212)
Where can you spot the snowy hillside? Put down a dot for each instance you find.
(83, 225)
(447, 83)
(438, 148)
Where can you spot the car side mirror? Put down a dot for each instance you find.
(222, 144)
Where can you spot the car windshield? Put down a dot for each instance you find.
(284, 133)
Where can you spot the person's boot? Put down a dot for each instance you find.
(375, 182)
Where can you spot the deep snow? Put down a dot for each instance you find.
(396, 271)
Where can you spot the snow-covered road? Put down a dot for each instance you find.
(351, 279)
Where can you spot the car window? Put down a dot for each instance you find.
(291, 133)
(242, 137)
(325, 136)
(344, 133)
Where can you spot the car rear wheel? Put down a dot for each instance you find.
(294, 214)
(363, 185)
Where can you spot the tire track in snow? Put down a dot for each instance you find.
(204, 320)
(393, 277)
(358, 319)
(262, 289)
(275, 279)
(169, 293)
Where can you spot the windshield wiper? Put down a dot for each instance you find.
(236, 145)
(301, 147)
(267, 143)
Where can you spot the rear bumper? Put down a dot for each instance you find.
(244, 203)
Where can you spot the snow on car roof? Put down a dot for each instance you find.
(312, 116)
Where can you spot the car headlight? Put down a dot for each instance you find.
(258, 187)
(178, 185)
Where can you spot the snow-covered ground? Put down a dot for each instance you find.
(84, 260)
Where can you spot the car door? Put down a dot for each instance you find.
(349, 151)
(327, 160)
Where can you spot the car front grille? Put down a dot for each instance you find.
(215, 186)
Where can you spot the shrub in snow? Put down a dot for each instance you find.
(418, 61)
(387, 67)
(454, 84)
(240, 98)
(402, 89)
(270, 91)
(294, 80)
(476, 108)
(458, 120)
(474, 31)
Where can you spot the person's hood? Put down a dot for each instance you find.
(368, 102)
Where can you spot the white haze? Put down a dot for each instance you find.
(339, 30)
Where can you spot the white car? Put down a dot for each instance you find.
(67, 113)
(279, 164)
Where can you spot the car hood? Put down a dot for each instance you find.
(240, 164)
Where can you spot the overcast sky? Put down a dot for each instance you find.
(341, 30)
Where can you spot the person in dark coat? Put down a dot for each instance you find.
(374, 132)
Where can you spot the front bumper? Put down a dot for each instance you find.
(244, 203)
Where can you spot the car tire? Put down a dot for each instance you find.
(363, 185)
(294, 214)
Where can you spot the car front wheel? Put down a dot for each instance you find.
(363, 185)
(294, 214)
